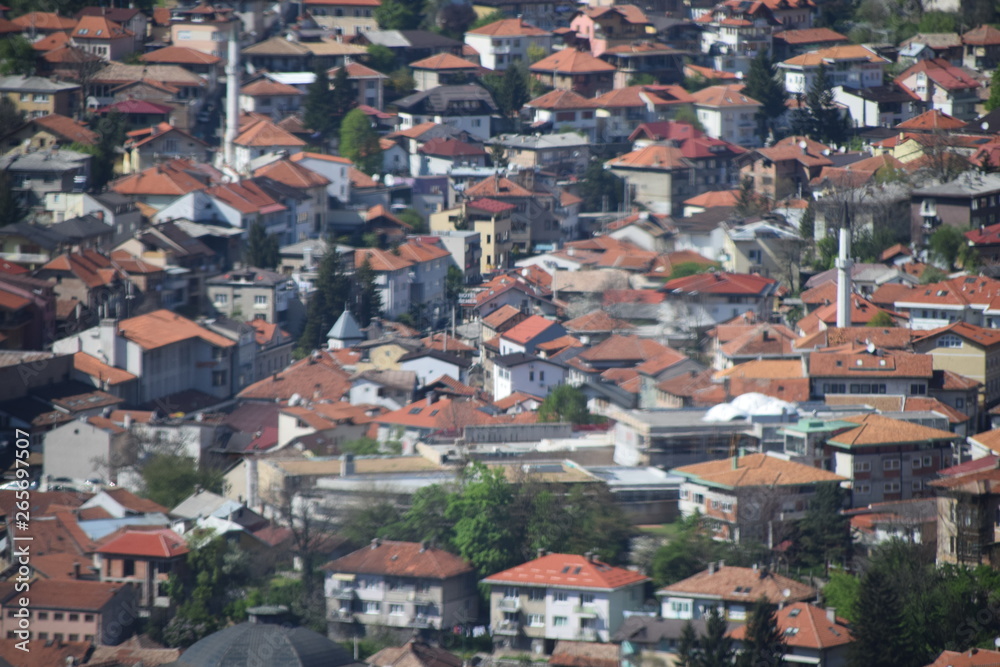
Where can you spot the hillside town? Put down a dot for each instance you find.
(438, 333)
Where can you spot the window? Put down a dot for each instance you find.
(74, 637)
(218, 379)
(541, 376)
(586, 598)
(58, 616)
(536, 620)
(74, 618)
(890, 464)
(89, 618)
(916, 462)
(680, 607)
(43, 616)
(928, 461)
(862, 489)
(260, 300)
(221, 299)
(917, 485)
(891, 487)
(396, 609)
(43, 635)
(511, 592)
(863, 466)
(560, 596)
(959, 403)
(560, 621)
(950, 340)
(371, 608)
(919, 389)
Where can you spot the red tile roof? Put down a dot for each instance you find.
(972, 658)
(305, 377)
(164, 179)
(264, 133)
(726, 95)
(984, 35)
(490, 205)
(144, 107)
(444, 61)
(875, 429)
(722, 283)
(292, 174)
(806, 626)
(568, 571)
(159, 543)
(941, 72)
(163, 327)
(755, 470)
(741, 584)
(401, 559)
(526, 331)
(508, 28)
(561, 99)
(180, 55)
(448, 147)
(654, 156)
(931, 120)
(809, 36)
(265, 87)
(67, 128)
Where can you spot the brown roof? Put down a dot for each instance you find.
(973, 657)
(165, 179)
(568, 570)
(596, 321)
(619, 348)
(292, 174)
(809, 36)
(89, 596)
(414, 653)
(584, 654)
(755, 470)
(653, 156)
(741, 584)
(67, 128)
(974, 334)
(879, 430)
(931, 120)
(444, 61)
(162, 327)
(835, 53)
(508, 28)
(43, 654)
(401, 559)
(265, 87)
(726, 95)
(266, 133)
(854, 362)
(561, 99)
(304, 377)
(571, 61)
(180, 55)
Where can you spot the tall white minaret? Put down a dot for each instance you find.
(232, 92)
(844, 264)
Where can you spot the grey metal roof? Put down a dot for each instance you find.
(245, 644)
(82, 227)
(44, 160)
(34, 84)
(969, 184)
(37, 234)
(539, 142)
(441, 99)
(346, 328)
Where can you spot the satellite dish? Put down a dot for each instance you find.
(996, 642)
(803, 145)
(376, 177)
(786, 593)
(389, 180)
(984, 125)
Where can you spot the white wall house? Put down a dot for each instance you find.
(502, 43)
(852, 66)
(525, 373)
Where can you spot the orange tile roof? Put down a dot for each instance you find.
(571, 61)
(807, 626)
(568, 571)
(298, 157)
(89, 266)
(306, 377)
(714, 198)
(266, 133)
(44, 21)
(100, 371)
(265, 87)
(358, 71)
(100, 28)
(970, 332)
(88, 596)
(380, 260)
(630, 13)
(444, 61)
(809, 36)
(741, 584)
(67, 128)
(526, 331)
(162, 179)
(401, 559)
(50, 42)
(725, 95)
(973, 657)
(984, 35)
(596, 321)
(765, 369)
(445, 414)
(931, 120)
(440, 341)
(159, 543)
(722, 283)
(858, 362)
(246, 197)
(761, 341)
(293, 175)
(509, 28)
(653, 156)
(629, 349)
(755, 470)
(640, 97)
(162, 327)
(834, 54)
(500, 316)
(496, 186)
(942, 73)
(561, 99)
(180, 55)
(360, 179)
(878, 430)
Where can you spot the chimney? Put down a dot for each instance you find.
(76, 570)
(127, 422)
(424, 545)
(347, 465)
(317, 391)
(711, 567)
(844, 264)
(831, 614)
(541, 552)
(376, 543)
(430, 398)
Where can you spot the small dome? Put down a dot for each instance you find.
(278, 646)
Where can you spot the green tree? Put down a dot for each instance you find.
(363, 523)
(841, 592)
(535, 53)
(685, 269)
(685, 555)
(11, 207)
(880, 633)
(111, 133)
(208, 589)
(601, 189)
(565, 403)
(368, 303)
(824, 533)
(402, 82)
(687, 115)
(17, 55)
(932, 274)
(359, 142)
(945, 244)
(807, 225)
(426, 518)
(262, 248)
(319, 106)
(687, 647)
(826, 123)
(749, 202)
(764, 84)
(763, 644)
(881, 319)
(642, 79)
(826, 249)
(399, 14)
(485, 532)
(342, 98)
(716, 648)
(381, 58)
(327, 301)
(487, 19)
(994, 100)
(937, 22)
(169, 478)
(454, 284)
(510, 90)
(413, 218)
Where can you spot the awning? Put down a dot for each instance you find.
(339, 576)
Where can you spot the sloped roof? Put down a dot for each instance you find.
(292, 174)
(67, 128)
(725, 95)
(833, 54)
(304, 377)
(180, 55)
(568, 571)
(596, 321)
(942, 73)
(265, 86)
(444, 61)
(654, 156)
(346, 328)
(401, 559)
(561, 99)
(266, 133)
(803, 625)
(741, 584)
(516, 27)
(876, 429)
(414, 653)
(755, 470)
(932, 119)
(144, 107)
(722, 283)
(159, 543)
(571, 61)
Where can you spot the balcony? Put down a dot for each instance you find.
(342, 616)
(585, 610)
(586, 635)
(421, 597)
(509, 604)
(928, 209)
(346, 593)
(501, 50)
(421, 621)
(508, 628)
